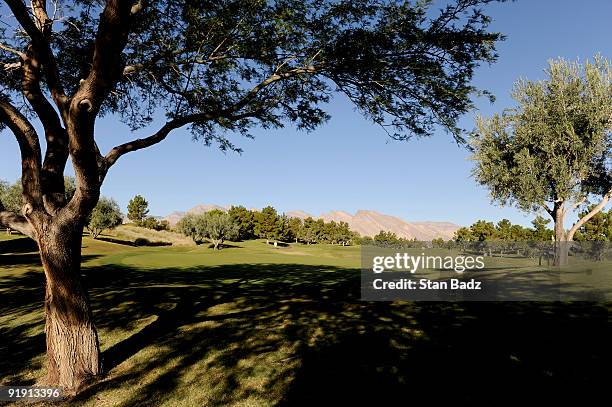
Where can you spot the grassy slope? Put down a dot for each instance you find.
(253, 325)
(129, 233)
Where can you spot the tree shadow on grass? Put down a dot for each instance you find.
(25, 259)
(21, 299)
(136, 243)
(298, 335)
(19, 245)
(115, 240)
(221, 246)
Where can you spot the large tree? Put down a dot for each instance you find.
(217, 68)
(553, 151)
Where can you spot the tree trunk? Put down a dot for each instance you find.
(561, 243)
(73, 351)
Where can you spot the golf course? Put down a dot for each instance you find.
(344, 203)
(257, 325)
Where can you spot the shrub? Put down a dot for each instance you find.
(141, 241)
(152, 223)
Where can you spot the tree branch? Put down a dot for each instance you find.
(107, 66)
(579, 202)
(106, 70)
(6, 48)
(267, 82)
(137, 7)
(30, 84)
(16, 222)
(56, 155)
(41, 18)
(155, 138)
(41, 44)
(30, 151)
(228, 113)
(134, 68)
(593, 212)
(137, 67)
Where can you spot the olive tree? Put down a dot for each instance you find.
(106, 215)
(216, 68)
(553, 151)
(216, 226)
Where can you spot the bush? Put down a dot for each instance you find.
(141, 241)
(152, 223)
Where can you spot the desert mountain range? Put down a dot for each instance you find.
(366, 223)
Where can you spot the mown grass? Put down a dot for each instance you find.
(254, 325)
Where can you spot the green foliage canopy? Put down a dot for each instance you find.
(554, 148)
(598, 228)
(138, 208)
(106, 215)
(245, 220)
(267, 223)
(226, 66)
(11, 194)
(216, 226)
(504, 231)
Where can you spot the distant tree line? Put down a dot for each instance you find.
(240, 223)
(388, 238)
(599, 228)
(504, 238)
(537, 241)
(504, 230)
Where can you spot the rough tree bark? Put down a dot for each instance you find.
(73, 350)
(564, 238)
(561, 243)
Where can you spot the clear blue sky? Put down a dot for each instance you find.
(349, 164)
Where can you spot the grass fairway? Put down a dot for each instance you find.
(254, 325)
